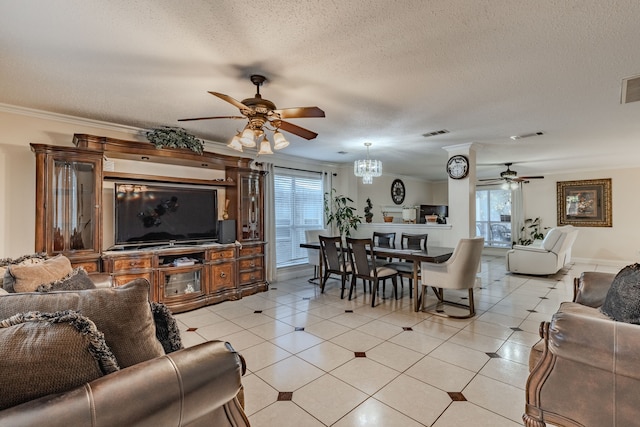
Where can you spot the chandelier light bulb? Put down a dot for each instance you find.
(367, 168)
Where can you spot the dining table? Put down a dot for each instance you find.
(434, 254)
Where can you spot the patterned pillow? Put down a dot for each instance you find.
(45, 353)
(622, 302)
(167, 331)
(27, 277)
(77, 280)
(26, 259)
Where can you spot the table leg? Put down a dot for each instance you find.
(416, 284)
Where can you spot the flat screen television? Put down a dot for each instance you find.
(164, 214)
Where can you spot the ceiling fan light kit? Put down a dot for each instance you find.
(367, 168)
(262, 114)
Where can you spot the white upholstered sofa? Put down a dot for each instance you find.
(544, 257)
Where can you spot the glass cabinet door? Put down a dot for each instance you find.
(251, 200)
(73, 201)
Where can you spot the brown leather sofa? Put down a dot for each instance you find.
(196, 386)
(584, 371)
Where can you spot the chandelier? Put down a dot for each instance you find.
(367, 168)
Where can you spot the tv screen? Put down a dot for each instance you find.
(162, 214)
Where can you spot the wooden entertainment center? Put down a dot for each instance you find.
(69, 221)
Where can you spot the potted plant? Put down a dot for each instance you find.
(338, 211)
(530, 231)
(386, 217)
(173, 137)
(368, 215)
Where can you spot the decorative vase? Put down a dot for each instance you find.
(387, 218)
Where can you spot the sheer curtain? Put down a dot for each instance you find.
(269, 222)
(517, 213)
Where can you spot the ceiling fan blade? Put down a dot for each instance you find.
(491, 179)
(209, 118)
(298, 112)
(296, 130)
(230, 100)
(531, 177)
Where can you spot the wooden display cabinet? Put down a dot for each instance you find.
(69, 220)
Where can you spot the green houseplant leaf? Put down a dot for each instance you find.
(173, 137)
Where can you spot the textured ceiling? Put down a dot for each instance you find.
(384, 71)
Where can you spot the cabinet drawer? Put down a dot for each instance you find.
(250, 250)
(225, 254)
(250, 263)
(223, 276)
(131, 263)
(123, 279)
(251, 276)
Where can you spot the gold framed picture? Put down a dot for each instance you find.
(585, 203)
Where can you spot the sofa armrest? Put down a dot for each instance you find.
(587, 374)
(101, 280)
(529, 248)
(591, 288)
(192, 386)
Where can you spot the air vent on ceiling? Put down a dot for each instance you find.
(630, 89)
(435, 132)
(526, 135)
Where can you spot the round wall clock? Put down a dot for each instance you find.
(397, 191)
(458, 167)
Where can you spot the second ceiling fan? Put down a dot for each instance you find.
(509, 178)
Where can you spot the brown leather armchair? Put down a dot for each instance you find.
(196, 386)
(584, 371)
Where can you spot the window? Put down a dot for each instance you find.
(493, 217)
(299, 201)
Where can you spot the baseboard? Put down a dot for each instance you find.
(294, 272)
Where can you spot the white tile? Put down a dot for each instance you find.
(257, 394)
(373, 413)
(469, 414)
(289, 374)
(284, 414)
(365, 374)
(440, 374)
(327, 355)
(328, 399)
(496, 396)
(296, 341)
(356, 341)
(394, 356)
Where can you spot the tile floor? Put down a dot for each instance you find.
(316, 360)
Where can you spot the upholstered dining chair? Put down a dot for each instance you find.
(458, 272)
(363, 266)
(333, 261)
(417, 242)
(313, 255)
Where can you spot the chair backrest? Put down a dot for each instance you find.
(463, 265)
(414, 241)
(384, 240)
(361, 256)
(331, 248)
(310, 237)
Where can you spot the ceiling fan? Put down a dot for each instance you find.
(259, 112)
(509, 178)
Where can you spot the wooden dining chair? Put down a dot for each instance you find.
(334, 261)
(363, 266)
(458, 272)
(416, 242)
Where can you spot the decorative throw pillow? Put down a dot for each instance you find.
(167, 331)
(26, 259)
(27, 277)
(77, 280)
(121, 313)
(45, 353)
(622, 302)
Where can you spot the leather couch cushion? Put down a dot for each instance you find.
(623, 298)
(77, 280)
(44, 353)
(27, 277)
(122, 313)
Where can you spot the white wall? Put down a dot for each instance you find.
(619, 244)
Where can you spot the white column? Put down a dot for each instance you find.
(462, 196)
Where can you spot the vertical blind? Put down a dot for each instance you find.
(298, 207)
